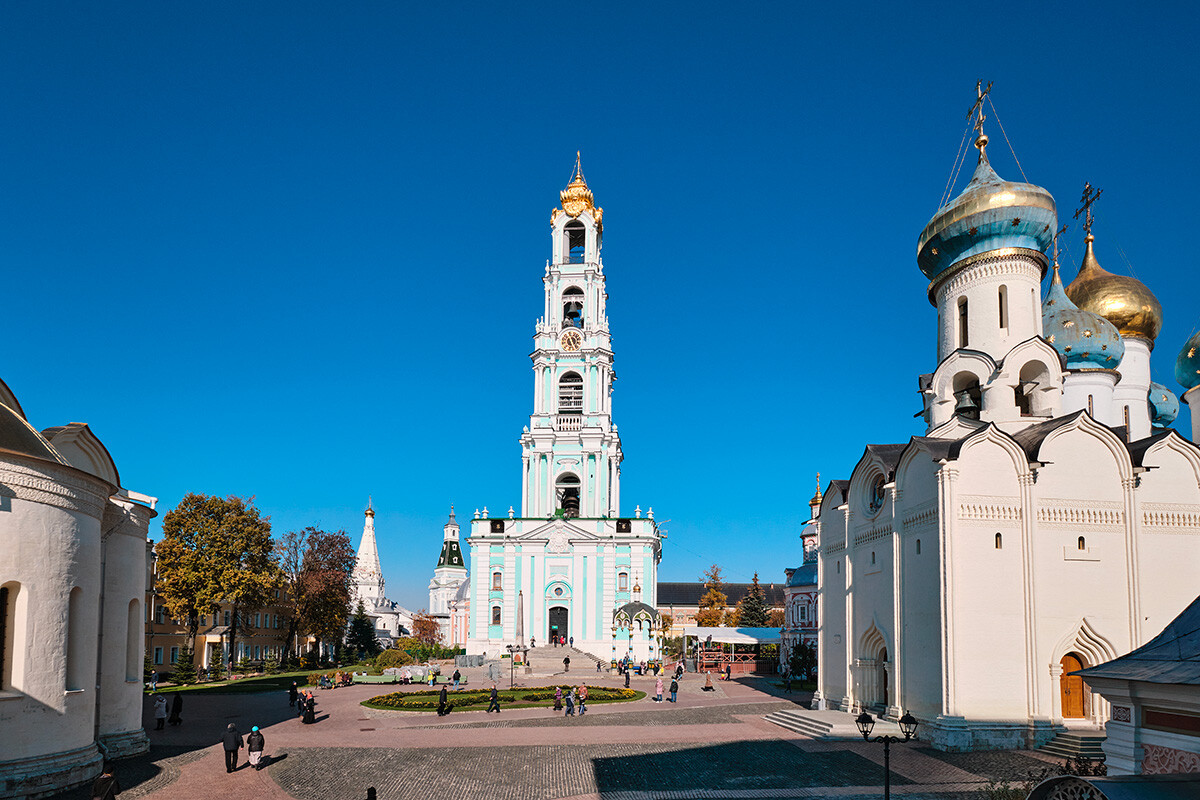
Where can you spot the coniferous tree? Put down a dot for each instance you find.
(752, 610)
(184, 669)
(361, 636)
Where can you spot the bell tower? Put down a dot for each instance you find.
(571, 453)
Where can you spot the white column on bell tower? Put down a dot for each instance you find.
(571, 441)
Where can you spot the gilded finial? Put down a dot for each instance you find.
(816, 500)
(577, 197)
(370, 511)
(976, 111)
(1090, 196)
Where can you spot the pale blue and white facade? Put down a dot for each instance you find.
(569, 554)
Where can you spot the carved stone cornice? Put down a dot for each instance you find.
(53, 485)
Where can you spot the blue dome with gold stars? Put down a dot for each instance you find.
(1084, 340)
(1187, 366)
(1164, 405)
(990, 214)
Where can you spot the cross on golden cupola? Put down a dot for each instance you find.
(577, 197)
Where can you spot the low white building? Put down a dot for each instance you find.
(1045, 520)
(1154, 697)
(72, 589)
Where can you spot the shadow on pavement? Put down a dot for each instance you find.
(736, 766)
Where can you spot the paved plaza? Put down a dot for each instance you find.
(709, 745)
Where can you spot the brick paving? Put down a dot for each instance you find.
(712, 745)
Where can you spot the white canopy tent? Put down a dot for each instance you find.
(735, 635)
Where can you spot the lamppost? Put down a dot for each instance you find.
(908, 726)
(512, 663)
(614, 645)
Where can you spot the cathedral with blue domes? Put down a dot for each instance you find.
(1046, 519)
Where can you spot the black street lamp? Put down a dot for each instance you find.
(512, 664)
(908, 726)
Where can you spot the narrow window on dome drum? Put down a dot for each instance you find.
(1080, 544)
(918, 547)
(1090, 411)
(1003, 297)
(963, 341)
(999, 542)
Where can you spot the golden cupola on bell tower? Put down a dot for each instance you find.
(578, 224)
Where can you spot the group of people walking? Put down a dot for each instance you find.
(304, 703)
(571, 699)
(232, 742)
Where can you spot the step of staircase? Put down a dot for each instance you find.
(827, 725)
(1076, 744)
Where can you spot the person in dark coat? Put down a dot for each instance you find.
(567, 664)
(674, 689)
(232, 740)
(255, 742)
(493, 701)
(627, 678)
(293, 694)
(106, 787)
(310, 709)
(176, 708)
(442, 709)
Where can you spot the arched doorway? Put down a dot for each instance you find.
(1071, 687)
(558, 622)
(883, 676)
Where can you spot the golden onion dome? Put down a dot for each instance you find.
(1124, 301)
(577, 197)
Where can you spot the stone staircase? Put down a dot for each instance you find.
(1076, 744)
(827, 725)
(548, 660)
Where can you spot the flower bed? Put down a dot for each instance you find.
(426, 700)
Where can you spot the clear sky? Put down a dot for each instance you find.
(294, 250)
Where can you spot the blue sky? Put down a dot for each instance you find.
(295, 250)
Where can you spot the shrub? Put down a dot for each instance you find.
(271, 666)
(391, 658)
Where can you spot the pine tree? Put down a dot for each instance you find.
(752, 610)
(184, 671)
(361, 636)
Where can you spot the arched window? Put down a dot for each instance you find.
(497, 581)
(75, 647)
(572, 308)
(1081, 544)
(576, 240)
(999, 542)
(1090, 411)
(968, 396)
(133, 643)
(567, 490)
(918, 547)
(11, 637)
(622, 581)
(838, 566)
(495, 615)
(570, 393)
(1002, 297)
(1128, 438)
(872, 556)
(962, 322)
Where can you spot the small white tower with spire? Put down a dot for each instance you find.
(448, 576)
(368, 575)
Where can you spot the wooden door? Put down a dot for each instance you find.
(1071, 687)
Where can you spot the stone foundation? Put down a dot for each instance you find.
(124, 744)
(958, 735)
(45, 775)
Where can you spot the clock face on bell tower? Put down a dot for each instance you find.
(571, 341)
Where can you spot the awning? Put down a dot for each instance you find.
(735, 635)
